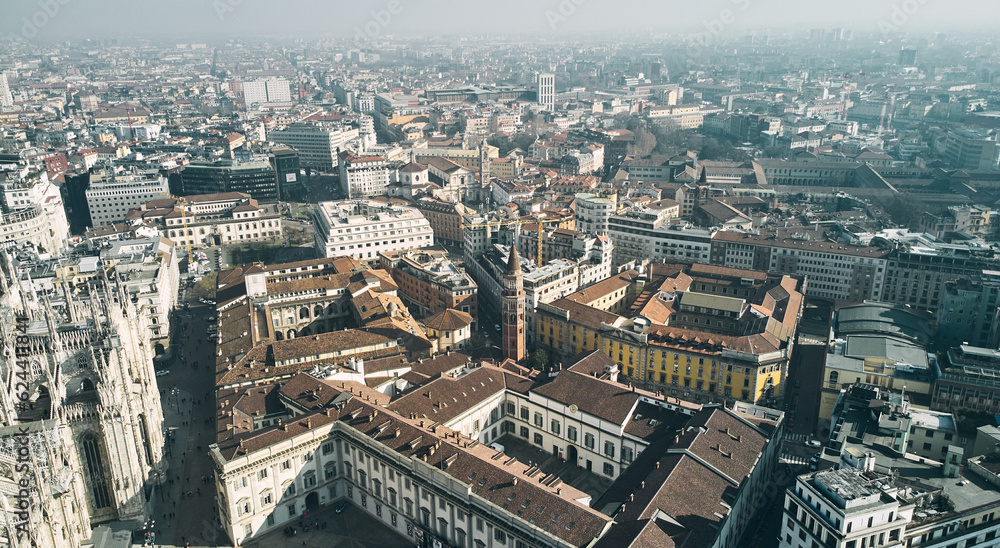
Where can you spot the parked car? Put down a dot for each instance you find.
(163, 373)
(341, 506)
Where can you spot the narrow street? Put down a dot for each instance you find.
(188, 514)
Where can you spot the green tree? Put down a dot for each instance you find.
(644, 143)
(205, 288)
(539, 359)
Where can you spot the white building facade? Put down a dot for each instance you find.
(363, 229)
(110, 201)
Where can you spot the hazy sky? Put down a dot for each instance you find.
(50, 20)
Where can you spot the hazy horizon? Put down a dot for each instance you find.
(207, 20)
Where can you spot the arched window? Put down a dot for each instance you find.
(318, 311)
(90, 450)
(834, 377)
(304, 313)
(86, 385)
(291, 333)
(278, 335)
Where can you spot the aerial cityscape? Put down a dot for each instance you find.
(558, 274)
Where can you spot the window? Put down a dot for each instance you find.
(609, 449)
(571, 433)
(538, 420)
(538, 439)
(328, 448)
(243, 507)
(609, 470)
(240, 482)
(266, 498)
(555, 427)
(500, 536)
(524, 413)
(309, 480)
(262, 473)
(290, 489)
(291, 510)
(524, 432)
(330, 470)
(627, 454)
(588, 440)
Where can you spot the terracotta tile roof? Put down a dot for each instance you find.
(610, 401)
(723, 441)
(443, 164)
(637, 534)
(309, 394)
(449, 320)
(675, 337)
(344, 340)
(238, 407)
(413, 167)
(444, 399)
(649, 421)
(594, 363)
(723, 271)
(689, 476)
(441, 363)
(384, 365)
(585, 315)
(283, 286)
(605, 287)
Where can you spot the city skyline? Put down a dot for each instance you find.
(59, 20)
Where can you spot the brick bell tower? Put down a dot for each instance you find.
(512, 305)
